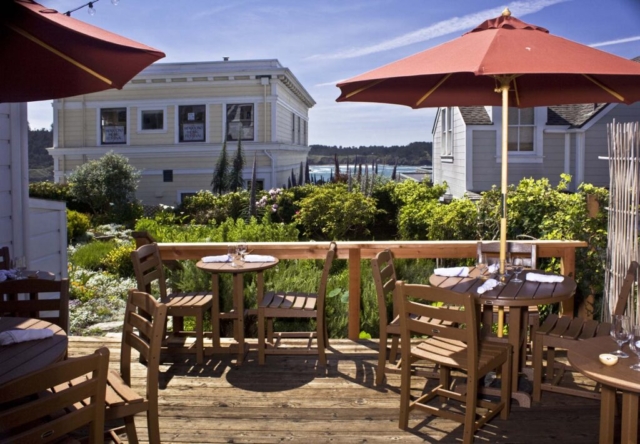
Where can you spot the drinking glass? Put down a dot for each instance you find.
(634, 344)
(242, 250)
(518, 266)
(232, 251)
(19, 263)
(481, 265)
(620, 331)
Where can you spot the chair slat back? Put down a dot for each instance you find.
(5, 258)
(527, 252)
(451, 309)
(41, 302)
(148, 268)
(384, 278)
(627, 285)
(78, 399)
(143, 330)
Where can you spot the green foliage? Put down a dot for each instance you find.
(57, 191)
(90, 256)
(220, 180)
(331, 212)
(107, 185)
(415, 153)
(206, 207)
(235, 175)
(416, 201)
(77, 225)
(118, 260)
(456, 220)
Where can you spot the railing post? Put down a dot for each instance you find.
(568, 268)
(354, 294)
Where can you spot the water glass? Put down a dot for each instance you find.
(481, 265)
(634, 345)
(19, 263)
(232, 251)
(242, 250)
(518, 266)
(620, 332)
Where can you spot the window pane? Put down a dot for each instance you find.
(240, 122)
(152, 119)
(192, 123)
(113, 125)
(513, 116)
(526, 139)
(526, 116)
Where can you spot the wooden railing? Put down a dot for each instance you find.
(354, 252)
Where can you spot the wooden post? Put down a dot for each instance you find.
(354, 294)
(568, 268)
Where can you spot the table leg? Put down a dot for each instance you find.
(238, 296)
(215, 312)
(260, 285)
(629, 417)
(487, 320)
(607, 414)
(515, 329)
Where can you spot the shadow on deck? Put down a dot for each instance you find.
(290, 400)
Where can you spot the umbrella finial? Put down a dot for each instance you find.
(506, 12)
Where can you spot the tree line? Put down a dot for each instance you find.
(415, 153)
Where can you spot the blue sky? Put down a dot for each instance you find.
(325, 41)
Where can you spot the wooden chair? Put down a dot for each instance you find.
(384, 277)
(562, 332)
(144, 321)
(5, 258)
(37, 412)
(39, 305)
(148, 267)
(452, 348)
(296, 305)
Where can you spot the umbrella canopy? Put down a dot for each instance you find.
(524, 63)
(47, 55)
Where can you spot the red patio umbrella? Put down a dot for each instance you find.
(524, 63)
(47, 55)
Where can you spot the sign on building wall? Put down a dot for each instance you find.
(113, 134)
(192, 131)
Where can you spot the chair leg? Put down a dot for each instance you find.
(130, 427)
(405, 395)
(505, 386)
(270, 330)
(199, 339)
(537, 367)
(261, 332)
(470, 413)
(550, 374)
(320, 338)
(382, 357)
(393, 353)
(153, 426)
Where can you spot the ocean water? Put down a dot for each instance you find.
(324, 171)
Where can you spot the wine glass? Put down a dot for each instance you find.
(19, 263)
(620, 330)
(518, 266)
(232, 251)
(634, 344)
(242, 250)
(481, 265)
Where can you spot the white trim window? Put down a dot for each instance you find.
(447, 132)
(113, 126)
(152, 120)
(192, 123)
(521, 130)
(240, 121)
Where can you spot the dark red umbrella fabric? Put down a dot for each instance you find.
(47, 55)
(548, 70)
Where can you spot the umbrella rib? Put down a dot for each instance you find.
(359, 90)
(609, 90)
(423, 98)
(34, 39)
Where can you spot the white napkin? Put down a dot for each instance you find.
(221, 258)
(14, 336)
(7, 274)
(258, 258)
(536, 277)
(452, 271)
(493, 268)
(489, 284)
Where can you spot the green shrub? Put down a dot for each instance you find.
(205, 207)
(91, 256)
(57, 191)
(118, 260)
(77, 224)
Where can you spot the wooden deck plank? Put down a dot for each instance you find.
(290, 400)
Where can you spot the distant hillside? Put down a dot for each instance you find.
(416, 153)
(40, 161)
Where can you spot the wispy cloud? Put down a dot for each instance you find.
(615, 42)
(217, 10)
(444, 27)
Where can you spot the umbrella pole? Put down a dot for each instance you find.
(504, 89)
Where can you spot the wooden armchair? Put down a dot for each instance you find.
(452, 348)
(561, 332)
(148, 268)
(38, 413)
(39, 305)
(384, 277)
(144, 322)
(5, 258)
(296, 305)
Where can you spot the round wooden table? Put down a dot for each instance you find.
(237, 315)
(584, 357)
(26, 357)
(518, 297)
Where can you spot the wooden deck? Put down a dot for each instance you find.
(289, 400)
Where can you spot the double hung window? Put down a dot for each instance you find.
(447, 131)
(113, 126)
(521, 130)
(240, 125)
(191, 123)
